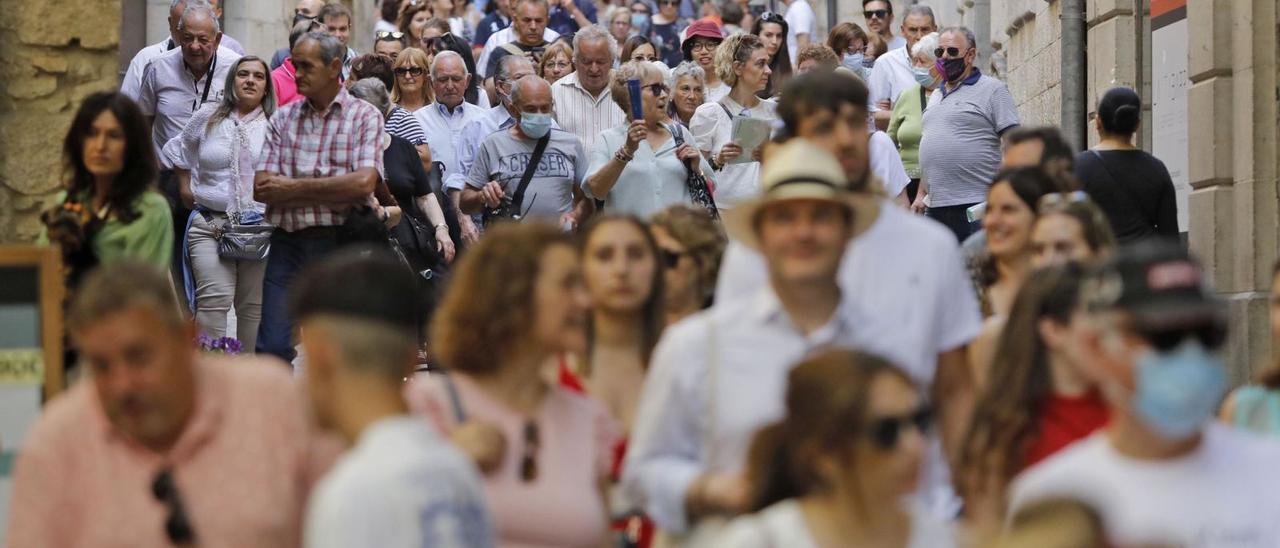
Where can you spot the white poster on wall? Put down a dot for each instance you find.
(1169, 95)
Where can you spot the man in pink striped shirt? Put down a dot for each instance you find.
(160, 446)
(320, 161)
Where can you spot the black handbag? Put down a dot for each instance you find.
(362, 226)
(699, 190)
(510, 208)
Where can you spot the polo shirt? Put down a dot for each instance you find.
(578, 112)
(960, 150)
(171, 94)
(890, 76)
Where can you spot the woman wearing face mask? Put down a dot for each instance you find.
(688, 92)
(641, 18)
(772, 30)
(214, 159)
(700, 43)
(849, 42)
(838, 468)
(110, 210)
(1043, 403)
(638, 169)
(666, 30)
(690, 244)
(906, 126)
(1069, 229)
(638, 48)
(1256, 407)
(545, 450)
(1011, 210)
(742, 62)
(618, 18)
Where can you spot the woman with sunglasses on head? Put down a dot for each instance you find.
(772, 30)
(642, 167)
(837, 470)
(214, 159)
(666, 30)
(1040, 400)
(743, 63)
(690, 245)
(1070, 228)
(545, 450)
(556, 62)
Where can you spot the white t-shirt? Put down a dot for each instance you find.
(782, 526)
(400, 486)
(799, 21)
(1226, 493)
(886, 164)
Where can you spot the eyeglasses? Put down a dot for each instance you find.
(387, 36)
(771, 17)
(529, 461)
(657, 89)
(1212, 336)
(886, 432)
(177, 527)
(704, 44)
(876, 14)
(951, 51)
(412, 71)
(670, 258)
(1058, 201)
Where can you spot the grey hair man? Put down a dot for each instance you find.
(132, 82)
(892, 72)
(583, 103)
(444, 121)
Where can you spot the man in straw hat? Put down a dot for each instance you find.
(905, 268)
(720, 375)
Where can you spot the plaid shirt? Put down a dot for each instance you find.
(305, 143)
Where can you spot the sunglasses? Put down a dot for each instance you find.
(771, 17)
(876, 14)
(177, 527)
(657, 89)
(414, 71)
(529, 461)
(951, 52)
(1211, 336)
(1060, 200)
(670, 259)
(886, 432)
(384, 35)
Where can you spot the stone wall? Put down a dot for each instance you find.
(54, 56)
(1029, 35)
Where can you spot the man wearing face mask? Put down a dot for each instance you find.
(892, 72)
(1163, 472)
(554, 189)
(963, 125)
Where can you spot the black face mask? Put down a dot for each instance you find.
(953, 69)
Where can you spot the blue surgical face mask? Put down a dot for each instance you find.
(535, 125)
(924, 76)
(1178, 390)
(640, 22)
(854, 62)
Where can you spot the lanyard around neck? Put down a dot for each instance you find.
(208, 81)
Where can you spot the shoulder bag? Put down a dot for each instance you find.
(696, 181)
(509, 209)
(239, 240)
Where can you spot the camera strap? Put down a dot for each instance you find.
(517, 199)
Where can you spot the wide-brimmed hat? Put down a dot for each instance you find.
(800, 170)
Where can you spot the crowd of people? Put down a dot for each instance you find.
(580, 273)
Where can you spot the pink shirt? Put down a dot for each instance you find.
(560, 508)
(243, 467)
(286, 87)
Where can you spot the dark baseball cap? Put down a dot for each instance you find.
(1159, 284)
(358, 282)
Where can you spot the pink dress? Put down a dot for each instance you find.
(562, 507)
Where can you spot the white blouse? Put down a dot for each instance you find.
(651, 181)
(712, 128)
(782, 525)
(221, 158)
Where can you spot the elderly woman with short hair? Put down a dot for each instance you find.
(639, 168)
(906, 124)
(688, 83)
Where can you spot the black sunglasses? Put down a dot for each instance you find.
(1211, 336)
(771, 17)
(657, 89)
(885, 432)
(876, 14)
(387, 36)
(529, 461)
(951, 51)
(177, 527)
(415, 71)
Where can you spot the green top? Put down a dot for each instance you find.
(148, 238)
(906, 127)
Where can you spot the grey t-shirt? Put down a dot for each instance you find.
(960, 150)
(503, 158)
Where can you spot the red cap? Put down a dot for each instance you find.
(703, 28)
